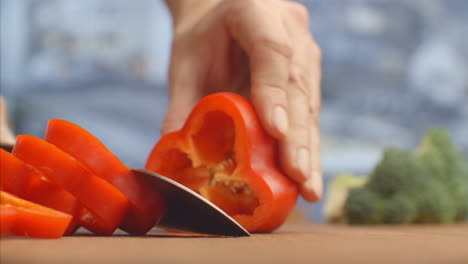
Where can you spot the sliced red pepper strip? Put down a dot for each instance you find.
(13, 173)
(224, 153)
(7, 219)
(25, 218)
(17, 178)
(101, 198)
(22, 180)
(147, 207)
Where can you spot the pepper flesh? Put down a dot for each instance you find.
(99, 197)
(25, 218)
(146, 206)
(223, 153)
(26, 182)
(7, 219)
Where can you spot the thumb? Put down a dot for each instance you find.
(176, 114)
(184, 91)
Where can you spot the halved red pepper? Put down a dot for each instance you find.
(147, 207)
(223, 153)
(26, 182)
(102, 199)
(24, 218)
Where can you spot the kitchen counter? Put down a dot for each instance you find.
(300, 243)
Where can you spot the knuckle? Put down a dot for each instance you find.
(235, 7)
(235, 10)
(314, 112)
(269, 90)
(241, 6)
(300, 12)
(297, 80)
(299, 134)
(274, 44)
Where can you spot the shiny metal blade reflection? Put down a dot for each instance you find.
(189, 211)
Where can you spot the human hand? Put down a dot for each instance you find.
(261, 49)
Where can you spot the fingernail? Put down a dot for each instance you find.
(303, 161)
(309, 184)
(280, 119)
(315, 183)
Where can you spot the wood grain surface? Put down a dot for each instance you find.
(304, 243)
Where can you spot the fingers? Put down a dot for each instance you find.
(307, 62)
(298, 152)
(269, 54)
(268, 79)
(294, 148)
(176, 115)
(299, 13)
(300, 149)
(285, 85)
(184, 78)
(312, 189)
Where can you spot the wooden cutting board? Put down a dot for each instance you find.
(300, 243)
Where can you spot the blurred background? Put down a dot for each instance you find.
(391, 70)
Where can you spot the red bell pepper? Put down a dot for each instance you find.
(104, 201)
(17, 178)
(24, 218)
(147, 207)
(22, 180)
(223, 153)
(7, 219)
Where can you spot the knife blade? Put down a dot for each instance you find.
(189, 211)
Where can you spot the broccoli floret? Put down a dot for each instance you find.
(400, 209)
(449, 165)
(438, 144)
(429, 185)
(397, 170)
(363, 206)
(436, 204)
(460, 187)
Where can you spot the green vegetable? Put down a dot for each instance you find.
(398, 171)
(400, 209)
(340, 187)
(449, 165)
(436, 204)
(429, 185)
(363, 206)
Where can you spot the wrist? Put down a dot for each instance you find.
(186, 13)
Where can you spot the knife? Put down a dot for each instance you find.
(189, 211)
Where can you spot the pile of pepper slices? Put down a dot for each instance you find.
(80, 181)
(52, 186)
